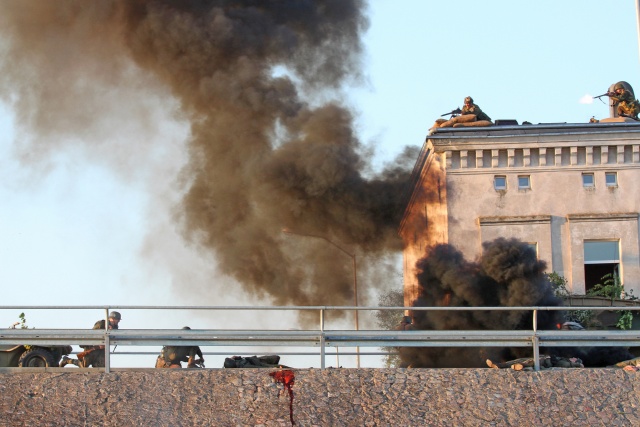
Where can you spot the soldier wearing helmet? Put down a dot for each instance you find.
(470, 115)
(93, 355)
(471, 108)
(623, 100)
(172, 356)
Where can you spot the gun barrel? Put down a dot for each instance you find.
(456, 111)
(600, 96)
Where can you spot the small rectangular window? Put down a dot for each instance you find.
(534, 247)
(524, 182)
(500, 182)
(611, 179)
(588, 180)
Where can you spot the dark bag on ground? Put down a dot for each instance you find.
(270, 361)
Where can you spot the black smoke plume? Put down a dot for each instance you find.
(507, 274)
(271, 143)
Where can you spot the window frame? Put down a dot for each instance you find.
(615, 242)
(495, 183)
(593, 180)
(614, 174)
(528, 178)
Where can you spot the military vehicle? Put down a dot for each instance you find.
(32, 356)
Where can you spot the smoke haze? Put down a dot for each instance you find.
(270, 145)
(507, 274)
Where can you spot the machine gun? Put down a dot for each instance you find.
(604, 94)
(452, 113)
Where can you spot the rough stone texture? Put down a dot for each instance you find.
(333, 397)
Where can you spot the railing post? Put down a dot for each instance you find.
(107, 349)
(107, 353)
(536, 353)
(322, 352)
(535, 342)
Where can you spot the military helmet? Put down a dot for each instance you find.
(115, 315)
(618, 86)
(468, 98)
(186, 327)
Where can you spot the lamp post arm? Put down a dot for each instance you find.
(355, 277)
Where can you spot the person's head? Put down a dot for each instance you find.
(114, 318)
(186, 328)
(618, 88)
(468, 100)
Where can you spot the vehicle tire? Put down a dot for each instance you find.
(37, 358)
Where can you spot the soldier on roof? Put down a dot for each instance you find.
(472, 109)
(470, 115)
(626, 105)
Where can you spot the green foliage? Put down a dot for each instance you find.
(625, 320)
(559, 284)
(585, 317)
(613, 288)
(23, 321)
(389, 319)
(23, 325)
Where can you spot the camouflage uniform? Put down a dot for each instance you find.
(95, 358)
(471, 115)
(171, 356)
(474, 109)
(627, 106)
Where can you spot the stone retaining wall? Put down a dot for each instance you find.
(333, 397)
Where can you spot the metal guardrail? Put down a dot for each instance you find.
(322, 338)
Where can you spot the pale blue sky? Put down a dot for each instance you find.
(80, 227)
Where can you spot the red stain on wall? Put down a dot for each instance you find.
(287, 379)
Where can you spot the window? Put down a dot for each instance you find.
(601, 257)
(500, 182)
(534, 247)
(611, 179)
(524, 182)
(588, 181)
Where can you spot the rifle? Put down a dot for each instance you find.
(452, 113)
(86, 352)
(604, 94)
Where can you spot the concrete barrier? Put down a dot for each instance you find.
(332, 397)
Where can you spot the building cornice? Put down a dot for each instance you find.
(599, 217)
(514, 220)
(551, 129)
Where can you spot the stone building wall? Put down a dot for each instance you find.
(333, 397)
(529, 183)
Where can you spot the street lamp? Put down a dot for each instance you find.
(355, 277)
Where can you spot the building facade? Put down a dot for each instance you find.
(571, 191)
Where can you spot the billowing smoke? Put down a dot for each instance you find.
(271, 144)
(508, 274)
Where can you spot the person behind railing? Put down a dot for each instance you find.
(93, 355)
(405, 324)
(171, 356)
